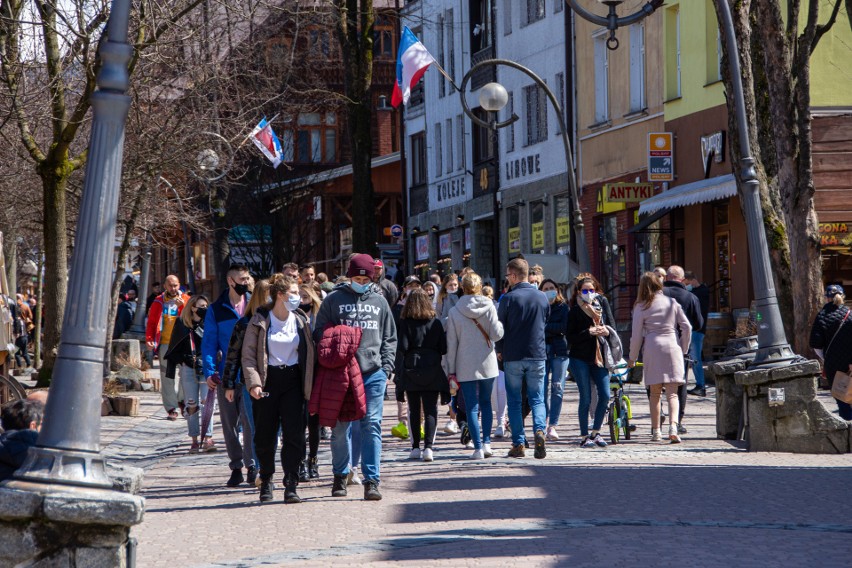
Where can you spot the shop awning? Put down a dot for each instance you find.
(703, 191)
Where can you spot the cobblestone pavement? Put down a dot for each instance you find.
(705, 502)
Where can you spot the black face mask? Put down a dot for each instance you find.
(201, 312)
(305, 307)
(241, 289)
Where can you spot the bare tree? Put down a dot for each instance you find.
(775, 51)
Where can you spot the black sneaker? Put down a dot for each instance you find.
(266, 488)
(371, 491)
(697, 391)
(236, 478)
(251, 476)
(339, 487)
(540, 449)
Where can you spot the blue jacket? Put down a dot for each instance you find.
(523, 311)
(14, 446)
(218, 326)
(556, 328)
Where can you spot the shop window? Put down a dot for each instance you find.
(537, 227)
(513, 224)
(608, 249)
(562, 224)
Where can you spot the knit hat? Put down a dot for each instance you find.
(834, 289)
(361, 265)
(327, 287)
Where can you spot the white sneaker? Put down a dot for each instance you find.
(499, 432)
(486, 450)
(469, 445)
(451, 427)
(427, 455)
(656, 435)
(415, 454)
(551, 433)
(353, 478)
(477, 455)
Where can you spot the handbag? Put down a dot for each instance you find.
(841, 389)
(483, 332)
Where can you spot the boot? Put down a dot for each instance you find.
(290, 495)
(339, 487)
(303, 471)
(313, 471)
(266, 490)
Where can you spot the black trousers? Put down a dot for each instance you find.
(429, 399)
(313, 433)
(284, 408)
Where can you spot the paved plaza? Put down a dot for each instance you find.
(705, 502)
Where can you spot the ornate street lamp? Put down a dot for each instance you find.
(611, 21)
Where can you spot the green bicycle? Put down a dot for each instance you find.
(619, 412)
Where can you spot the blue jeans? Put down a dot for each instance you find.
(477, 398)
(695, 354)
(533, 372)
(371, 432)
(584, 374)
(195, 390)
(555, 369)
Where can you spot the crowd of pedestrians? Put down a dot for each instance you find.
(296, 358)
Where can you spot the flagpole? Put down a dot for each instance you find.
(246, 139)
(444, 73)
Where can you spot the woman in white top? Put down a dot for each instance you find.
(278, 358)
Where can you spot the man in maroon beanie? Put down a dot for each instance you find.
(358, 304)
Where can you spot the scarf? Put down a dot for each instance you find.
(594, 311)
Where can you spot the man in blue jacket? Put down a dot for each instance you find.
(523, 311)
(218, 325)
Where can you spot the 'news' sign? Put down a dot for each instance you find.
(660, 156)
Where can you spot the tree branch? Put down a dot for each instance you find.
(822, 29)
(53, 63)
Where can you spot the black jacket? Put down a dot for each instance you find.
(555, 329)
(826, 325)
(523, 311)
(182, 350)
(423, 337)
(14, 446)
(583, 344)
(703, 294)
(687, 300)
(232, 371)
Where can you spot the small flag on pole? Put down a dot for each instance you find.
(412, 61)
(264, 138)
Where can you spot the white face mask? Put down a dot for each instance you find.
(293, 302)
(588, 298)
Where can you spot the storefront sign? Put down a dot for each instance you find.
(713, 144)
(537, 236)
(835, 234)
(563, 230)
(422, 244)
(445, 244)
(449, 192)
(660, 156)
(628, 192)
(523, 167)
(514, 239)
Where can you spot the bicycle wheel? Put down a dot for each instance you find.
(10, 390)
(624, 404)
(612, 420)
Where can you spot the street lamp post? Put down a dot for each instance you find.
(493, 98)
(68, 448)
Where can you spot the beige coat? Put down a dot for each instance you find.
(657, 328)
(254, 355)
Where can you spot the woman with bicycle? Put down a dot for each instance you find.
(656, 320)
(586, 325)
(556, 364)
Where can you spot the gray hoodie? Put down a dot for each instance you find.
(370, 312)
(468, 355)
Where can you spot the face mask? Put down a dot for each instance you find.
(201, 312)
(293, 302)
(588, 298)
(551, 295)
(305, 307)
(534, 285)
(360, 288)
(689, 287)
(240, 289)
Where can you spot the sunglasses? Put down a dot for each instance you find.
(587, 291)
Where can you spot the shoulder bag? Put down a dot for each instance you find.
(483, 332)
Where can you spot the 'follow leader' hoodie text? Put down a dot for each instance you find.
(368, 311)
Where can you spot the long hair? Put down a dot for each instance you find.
(186, 314)
(649, 286)
(418, 306)
(259, 298)
(578, 285)
(443, 293)
(315, 300)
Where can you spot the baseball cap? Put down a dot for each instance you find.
(834, 289)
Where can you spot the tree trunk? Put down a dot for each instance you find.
(10, 253)
(363, 210)
(55, 269)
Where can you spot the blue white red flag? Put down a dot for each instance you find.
(264, 138)
(412, 61)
